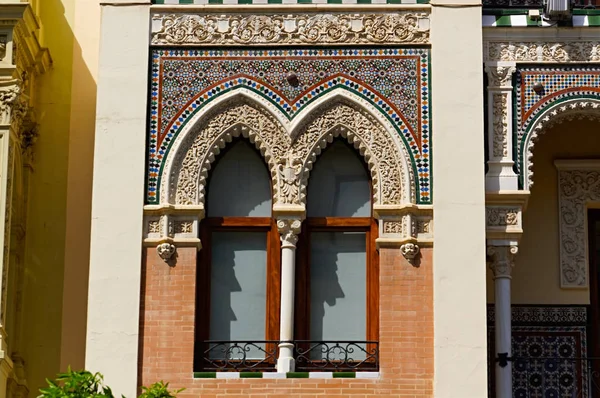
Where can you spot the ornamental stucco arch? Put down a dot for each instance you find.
(387, 161)
(558, 112)
(194, 158)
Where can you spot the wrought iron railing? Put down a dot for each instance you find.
(534, 3)
(261, 356)
(336, 355)
(543, 377)
(239, 355)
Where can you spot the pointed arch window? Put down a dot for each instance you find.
(337, 300)
(237, 312)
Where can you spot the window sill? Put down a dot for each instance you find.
(291, 375)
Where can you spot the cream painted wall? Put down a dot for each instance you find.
(59, 212)
(536, 274)
(459, 204)
(86, 32)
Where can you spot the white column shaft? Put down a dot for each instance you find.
(503, 336)
(285, 362)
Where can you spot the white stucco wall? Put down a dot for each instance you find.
(459, 216)
(118, 192)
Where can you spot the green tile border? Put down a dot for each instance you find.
(251, 375)
(297, 375)
(205, 375)
(344, 375)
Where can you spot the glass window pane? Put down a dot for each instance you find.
(238, 289)
(339, 185)
(338, 287)
(240, 184)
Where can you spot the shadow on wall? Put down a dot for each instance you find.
(54, 301)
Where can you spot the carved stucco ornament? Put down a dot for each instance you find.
(290, 162)
(289, 230)
(500, 125)
(321, 28)
(575, 51)
(578, 185)
(410, 251)
(501, 260)
(575, 109)
(502, 216)
(166, 251)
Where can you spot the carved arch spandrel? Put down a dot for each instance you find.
(193, 161)
(578, 108)
(391, 176)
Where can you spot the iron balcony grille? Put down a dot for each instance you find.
(261, 356)
(541, 377)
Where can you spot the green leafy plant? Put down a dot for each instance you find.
(159, 390)
(77, 384)
(84, 384)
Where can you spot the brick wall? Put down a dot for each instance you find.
(406, 335)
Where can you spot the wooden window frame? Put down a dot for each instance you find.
(370, 227)
(207, 227)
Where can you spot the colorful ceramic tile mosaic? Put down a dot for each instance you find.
(394, 81)
(548, 344)
(560, 84)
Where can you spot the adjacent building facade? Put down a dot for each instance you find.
(302, 198)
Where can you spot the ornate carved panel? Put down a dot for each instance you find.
(578, 185)
(233, 29)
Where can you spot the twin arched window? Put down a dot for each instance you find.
(238, 286)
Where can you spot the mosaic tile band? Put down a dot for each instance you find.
(559, 84)
(394, 81)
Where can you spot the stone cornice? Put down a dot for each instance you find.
(290, 28)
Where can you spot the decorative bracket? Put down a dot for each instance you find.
(166, 251)
(172, 225)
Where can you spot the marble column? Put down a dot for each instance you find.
(289, 230)
(501, 262)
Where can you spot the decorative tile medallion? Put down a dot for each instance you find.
(394, 81)
(548, 344)
(560, 84)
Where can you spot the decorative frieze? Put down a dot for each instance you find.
(408, 27)
(539, 51)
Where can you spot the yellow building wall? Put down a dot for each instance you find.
(58, 225)
(535, 277)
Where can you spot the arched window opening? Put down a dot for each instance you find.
(337, 297)
(238, 270)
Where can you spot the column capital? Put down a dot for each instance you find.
(289, 228)
(500, 75)
(501, 260)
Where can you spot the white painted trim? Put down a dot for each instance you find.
(367, 375)
(274, 375)
(320, 375)
(228, 375)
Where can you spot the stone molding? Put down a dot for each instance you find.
(578, 186)
(540, 51)
(501, 260)
(191, 29)
(565, 111)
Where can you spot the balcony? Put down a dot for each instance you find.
(310, 356)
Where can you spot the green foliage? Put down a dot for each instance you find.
(77, 384)
(159, 390)
(84, 384)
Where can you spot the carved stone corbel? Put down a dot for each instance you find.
(410, 251)
(403, 225)
(166, 251)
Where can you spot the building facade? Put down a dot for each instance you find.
(302, 198)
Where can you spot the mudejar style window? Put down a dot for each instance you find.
(237, 298)
(337, 287)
